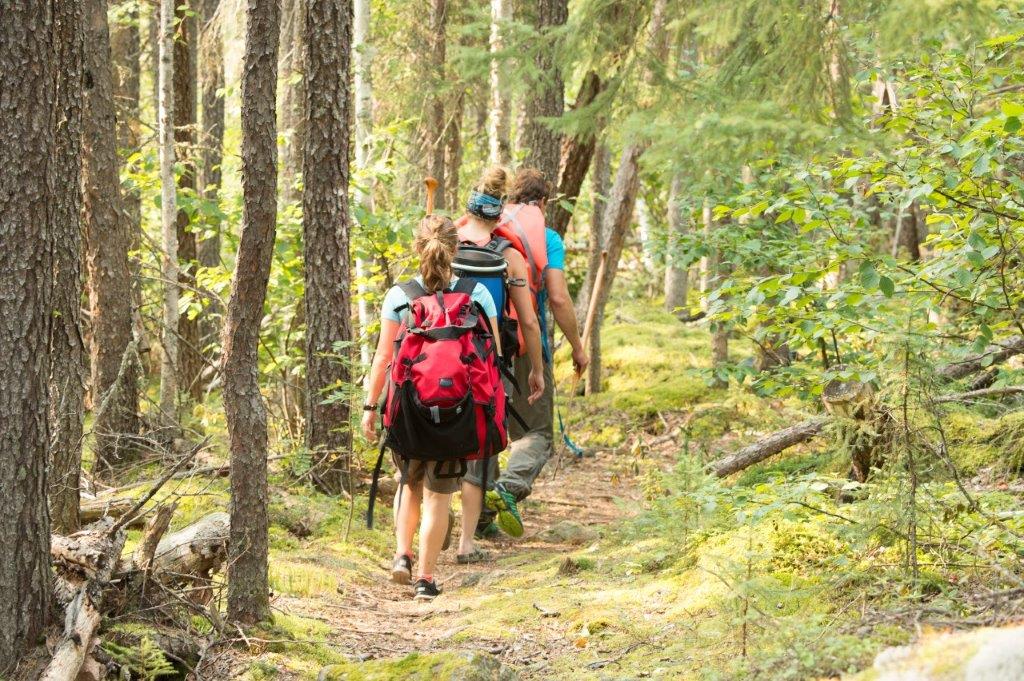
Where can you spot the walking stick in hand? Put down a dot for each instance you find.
(431, 184)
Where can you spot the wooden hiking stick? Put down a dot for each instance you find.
(431, 184)
(587, 325)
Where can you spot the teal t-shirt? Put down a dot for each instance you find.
(396, 298)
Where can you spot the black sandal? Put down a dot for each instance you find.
(477, 556)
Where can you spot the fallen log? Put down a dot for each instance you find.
(191, 555)
(984, 393)
(995, 353)
(768, 446)
(82, 616)
(92, 509)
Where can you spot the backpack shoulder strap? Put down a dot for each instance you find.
(465, 285)
(412, 289)
(498, 244)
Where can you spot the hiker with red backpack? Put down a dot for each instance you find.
(520, 331)
(438, 358)
(523, 222)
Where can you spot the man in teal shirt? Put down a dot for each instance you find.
(533, 446)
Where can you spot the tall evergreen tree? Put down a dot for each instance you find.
(67, 345)
(168, 217)
(248, 587)
(433, 130)
(326, 226)
(500, 110)
(547, 98)
(108, 242)
(190, 360)
(292, 85)
(28, 74)
(362, 52)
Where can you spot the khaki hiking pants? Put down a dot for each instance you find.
(531, 448)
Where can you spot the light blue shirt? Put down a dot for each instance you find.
(396, 298)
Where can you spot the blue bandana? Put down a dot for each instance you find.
(484, 206)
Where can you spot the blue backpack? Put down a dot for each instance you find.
(486, 265)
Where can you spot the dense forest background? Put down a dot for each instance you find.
(799, 225)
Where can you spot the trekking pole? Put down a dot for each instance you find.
(431, 184)
(595, 291)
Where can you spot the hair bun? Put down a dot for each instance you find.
(493, 182)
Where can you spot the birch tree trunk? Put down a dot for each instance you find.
(28, 74)
(363, 55)
(114, 366)
(499, 112)
(67, 346)
(168, 216)
(719, 335)
(248, 586)
(292, 84)
(677, 278)
(326, 227)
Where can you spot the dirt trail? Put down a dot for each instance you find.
(381, 620)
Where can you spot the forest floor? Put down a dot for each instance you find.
(637, 564)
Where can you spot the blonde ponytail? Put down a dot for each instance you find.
(437, 239)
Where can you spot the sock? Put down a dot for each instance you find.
(429, 578)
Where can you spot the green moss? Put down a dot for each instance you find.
(464, 666)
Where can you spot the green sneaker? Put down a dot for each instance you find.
(503, 503)
(487, 531)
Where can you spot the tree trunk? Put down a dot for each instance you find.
(434, 132)
(600, 186)
(292, 79)
(363, 55)
(677, 278)
(248, 588)
(211, 84)
(126, 53)
(326, 229)
(618, 215)
(768, 446)
(190, 359)
(453, 151)
(499, 111)
(67, 347)
(547, 99)
(28, 74)
(107, 245)
(577, 152)
(168, 216)
(719, 334)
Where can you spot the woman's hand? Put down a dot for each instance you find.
(536, 381)
(370, 425)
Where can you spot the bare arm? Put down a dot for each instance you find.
(565, 315)
(378, 373)
(522, 299)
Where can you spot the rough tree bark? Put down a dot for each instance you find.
(577, 152)
(292, 79)
(548, 98)
(433, 132)
(677, 278)
(211, 84)
(326, 226)
(248, 588)
(108, 243)
(168, 216)
(28, 74)
(499, 111)
(67, 345)
(453, 149)
(362, 54)
(190, 360)
(719, 334)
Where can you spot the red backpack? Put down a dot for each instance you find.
(445, 398)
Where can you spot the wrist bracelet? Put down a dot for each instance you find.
(369, 407)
